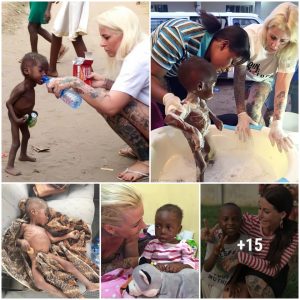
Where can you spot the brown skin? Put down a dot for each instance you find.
(35, 238)
(167, 226)
(201, 87)
(230, 220)
(20, 103)
(218, 54)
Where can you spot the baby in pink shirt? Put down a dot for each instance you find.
(166, 252)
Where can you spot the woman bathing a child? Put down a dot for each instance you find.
(264, 273)
(125, 105)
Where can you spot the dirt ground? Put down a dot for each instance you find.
(83, 148)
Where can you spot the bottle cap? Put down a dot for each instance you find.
(45, 78)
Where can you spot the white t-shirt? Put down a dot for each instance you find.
(263, 65)
(218, 277)
(133, 78)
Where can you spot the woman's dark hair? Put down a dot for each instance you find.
(235, 35)
(282, 200)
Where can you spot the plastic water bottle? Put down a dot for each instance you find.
(96, 252)
(69, 96)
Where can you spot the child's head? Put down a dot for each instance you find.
(230, 219)
(199, 76)
(168, 222)
(37, 210)
(34, 66)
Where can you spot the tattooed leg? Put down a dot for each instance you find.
(125, 128)
(137, 114)
(257, 96)
(258, 288)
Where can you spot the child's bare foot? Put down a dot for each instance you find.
(27, 158)
(12, 171)
(93, 286)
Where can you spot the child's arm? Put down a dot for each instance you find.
(71, 235)
(210, 262)
(21, 242)
(173, 118)
(15, 95)
(216, 120)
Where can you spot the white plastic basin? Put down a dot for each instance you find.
(252, 161)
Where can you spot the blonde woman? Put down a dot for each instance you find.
(121, 221)
(273, 57)
(125, 104)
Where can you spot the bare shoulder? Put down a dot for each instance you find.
(20, 87)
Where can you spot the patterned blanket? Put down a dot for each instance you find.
(17, 263)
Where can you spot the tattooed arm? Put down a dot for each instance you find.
(244, 120)
(239, 87)
(276, 134)
(282, 86)
(126, 263)
(109, 103)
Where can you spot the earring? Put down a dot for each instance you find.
(281, 224)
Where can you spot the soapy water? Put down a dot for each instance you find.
(226, 168)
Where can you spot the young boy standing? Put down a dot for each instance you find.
(20, 105)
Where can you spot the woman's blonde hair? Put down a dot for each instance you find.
(114, 199)
(284, 17)
(124, 21)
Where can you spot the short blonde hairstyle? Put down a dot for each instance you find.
(115, 198)
(124, 21)
(285, 17)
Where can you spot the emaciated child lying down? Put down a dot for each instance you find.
(198, 77)
(51, 273)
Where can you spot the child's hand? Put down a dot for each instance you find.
(219, 246)
(22, 120)
(25, 246)
(73, 235)
(218, 123)
(174, 267)
(98, 81)
(207, 234)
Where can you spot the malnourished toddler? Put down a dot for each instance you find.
(198, 77)
(166, 252)
(20, 105)
(36, 240)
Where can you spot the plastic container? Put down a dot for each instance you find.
(95, 253)
(32, 119)
(69, 96)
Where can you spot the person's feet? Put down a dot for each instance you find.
(127, 152)
(12, 171)
(139, 170)
(27, 158)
